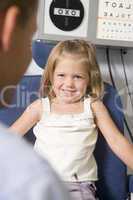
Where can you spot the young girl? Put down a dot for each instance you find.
(67, 115)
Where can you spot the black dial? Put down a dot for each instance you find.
(66, 15)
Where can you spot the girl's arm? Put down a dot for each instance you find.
(117, 142)
(28, 119)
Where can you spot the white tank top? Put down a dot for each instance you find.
(68, 142)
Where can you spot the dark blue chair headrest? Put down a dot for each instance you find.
(40, 52)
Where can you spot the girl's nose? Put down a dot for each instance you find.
(69, 81)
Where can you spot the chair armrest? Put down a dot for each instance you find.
(130, 183)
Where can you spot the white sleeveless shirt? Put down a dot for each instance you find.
(68, 142)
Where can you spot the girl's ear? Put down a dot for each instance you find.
(8, 25)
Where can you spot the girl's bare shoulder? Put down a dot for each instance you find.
(97, 105)
(36, 108)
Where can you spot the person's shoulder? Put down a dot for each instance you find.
(93, 101)
(35, 108)
(96, 102)
(98, 106)
(25, 171)
(36, 104)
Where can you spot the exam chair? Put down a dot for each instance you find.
(113, 183)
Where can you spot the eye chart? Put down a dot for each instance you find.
(115, 20)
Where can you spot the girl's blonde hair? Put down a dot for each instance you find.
(84, 52)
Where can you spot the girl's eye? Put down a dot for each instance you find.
(77, 77)
(60, 75)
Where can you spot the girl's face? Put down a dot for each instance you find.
(70, 80)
